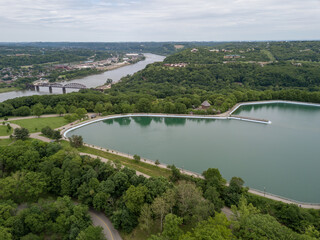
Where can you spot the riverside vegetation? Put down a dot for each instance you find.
(177, 207)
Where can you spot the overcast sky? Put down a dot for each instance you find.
(159, 20)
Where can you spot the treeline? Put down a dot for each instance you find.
(44, 56)
(117, 102)
(205, 56)
(73, 74)
(33, 169)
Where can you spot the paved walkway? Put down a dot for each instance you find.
(28, 117)
(99, 219)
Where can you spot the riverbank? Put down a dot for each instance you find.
(10, 89)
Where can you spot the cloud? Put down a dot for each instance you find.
(155, 20)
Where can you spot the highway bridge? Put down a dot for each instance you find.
(37, 86)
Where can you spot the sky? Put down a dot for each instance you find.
(158, 20)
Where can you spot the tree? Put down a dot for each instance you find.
(213, 196)
(145, 219)
(249, 223)
(66, 184)
(188, 197)
(21, 111)
(211, 229)
(81, 112)
(99, 108)
(56, 135)
(171, 228)
(136, 158)
(76, 141)
(91, 233)
(143, 105)
(234, 191)
(135, 197)
(160, 209)
(5, 233)
(38, 109)
(100, 201)
(21, 133)
(60, 110)
(23, 186)
(109, 81)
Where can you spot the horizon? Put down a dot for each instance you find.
(192, 41)
(159, 21)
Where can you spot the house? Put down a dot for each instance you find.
(205, 105)
(194, 50)
(231, 56)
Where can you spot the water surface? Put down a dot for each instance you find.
(91, 81)
(282, 157)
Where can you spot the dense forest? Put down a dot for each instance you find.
(35, 172)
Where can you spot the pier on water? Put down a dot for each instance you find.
(249, 119)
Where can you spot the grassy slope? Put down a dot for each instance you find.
(36, 124)
(146, 168)
(3, 130)
(5, 142)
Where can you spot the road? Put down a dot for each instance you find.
(99, 219)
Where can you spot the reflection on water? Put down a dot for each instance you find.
(175, 121)
(123, 121)
(142, 121)
(282, 157)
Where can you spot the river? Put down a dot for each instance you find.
(91, 81)
(282, 157)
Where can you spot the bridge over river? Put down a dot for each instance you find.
(37, 86)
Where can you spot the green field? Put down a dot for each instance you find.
(3, 130)
(145, 168)
(269, 54)
(36, 124)
(5, 142)
(7, 89)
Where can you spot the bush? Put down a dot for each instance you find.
(137, 158)
(21, 133)
(76, 141)
(50, 133)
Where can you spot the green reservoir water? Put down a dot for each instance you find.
(283, 157)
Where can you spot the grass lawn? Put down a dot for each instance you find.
(145, 168)
(5, 142)
(269, 54)
(36, 124)
(7, 89)
(3, 130)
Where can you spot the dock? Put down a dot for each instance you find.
(249, 119)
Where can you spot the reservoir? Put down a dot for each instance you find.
(283, 157)
(91, 81)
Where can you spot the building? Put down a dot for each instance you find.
(205, 105)
(178, 65)
(194, 50)
(231, 56)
